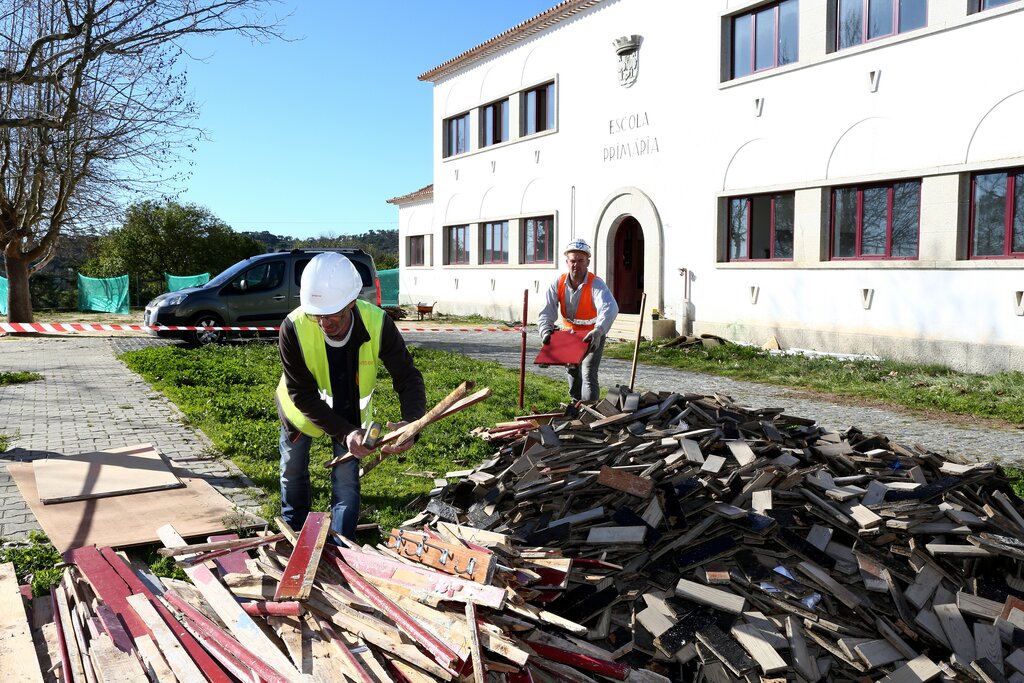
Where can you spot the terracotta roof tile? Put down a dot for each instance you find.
(518, 33)
(418, 195)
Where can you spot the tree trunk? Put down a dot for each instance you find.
(19, 298)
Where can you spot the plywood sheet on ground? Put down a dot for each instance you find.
(133, 469)
(197, 509)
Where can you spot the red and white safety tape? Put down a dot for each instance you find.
(89, 327)
(86, 327)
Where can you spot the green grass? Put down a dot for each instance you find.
(35, 563)
(929, 387)
(227, 391)
(3, 442)
(18, 377)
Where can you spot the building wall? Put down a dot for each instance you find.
(935, 104)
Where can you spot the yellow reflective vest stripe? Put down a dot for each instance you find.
(314, 353)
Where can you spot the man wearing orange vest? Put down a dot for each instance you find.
(583, 300)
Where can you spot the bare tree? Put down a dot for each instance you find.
(93, 108)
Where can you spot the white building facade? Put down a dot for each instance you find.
(844, 175)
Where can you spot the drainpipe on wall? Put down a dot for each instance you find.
(686, 310)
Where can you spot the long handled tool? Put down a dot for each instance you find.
(636, 346)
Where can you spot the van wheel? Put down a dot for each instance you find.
(206, 337)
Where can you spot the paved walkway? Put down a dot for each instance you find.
(90, 401)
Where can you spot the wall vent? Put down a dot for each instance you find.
(873, 79)
(1019, 302)
(758, 106)
(755, 292)
(867, 295)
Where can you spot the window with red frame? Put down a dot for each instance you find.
(997, 214)
(858, 21)
(456, 135)
(417, 252)
(761, 227)
(878, 221)
(765, 38)
(538, 240)
(494, 242)
(456, 245)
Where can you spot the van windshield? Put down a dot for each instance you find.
(224, 276)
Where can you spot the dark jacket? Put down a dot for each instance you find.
(302, 387)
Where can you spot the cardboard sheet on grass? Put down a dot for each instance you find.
(133, 469)
(195, 509)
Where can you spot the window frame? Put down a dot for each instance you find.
(749, 199)
(450, 132)
(416, 251)
(526, 239)
(1010, 209)
(487, 231)
(752, 15)
(452, 255)
(494, 114)
(544, 105)
(858, 244)
(866, 21)
(983, 5)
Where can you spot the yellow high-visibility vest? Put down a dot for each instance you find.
(314, 352)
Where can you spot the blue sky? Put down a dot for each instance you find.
(311, 137)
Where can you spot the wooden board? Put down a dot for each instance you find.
(298, 575)
(565, 349)
(115, 472)
(197, 509)
(18, 660)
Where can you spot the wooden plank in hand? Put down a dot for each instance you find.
(305, 558)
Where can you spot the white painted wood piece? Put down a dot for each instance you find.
(705, 595)
(185, 670)
(18, 660)
(759, 648)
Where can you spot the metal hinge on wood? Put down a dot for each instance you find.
(475, 565)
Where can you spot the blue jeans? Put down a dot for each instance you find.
(295, 489)
(583, 382)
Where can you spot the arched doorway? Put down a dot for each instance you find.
(628, 265)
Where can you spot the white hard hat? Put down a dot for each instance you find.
(329, 283)
(577, 245)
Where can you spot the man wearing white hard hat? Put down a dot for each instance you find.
(329, 349)
(588, 308)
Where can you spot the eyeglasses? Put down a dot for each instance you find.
(336, 318)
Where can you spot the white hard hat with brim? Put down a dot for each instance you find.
(329, 283)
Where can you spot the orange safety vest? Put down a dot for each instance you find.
(586, 312)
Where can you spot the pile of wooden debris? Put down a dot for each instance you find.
(647, 538)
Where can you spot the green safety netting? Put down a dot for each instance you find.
(3, 295)
(176, 282)
(388, 287)
(108, 294)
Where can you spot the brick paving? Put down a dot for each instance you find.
(89, 400)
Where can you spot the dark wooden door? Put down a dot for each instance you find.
(628, 283)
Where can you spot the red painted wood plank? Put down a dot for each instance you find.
(65, 661)
(214, 632)
(210, 668)
(108, 586)
(232, 563)
(581, 661)
(113, 627)
(266, 608)
(305, 558)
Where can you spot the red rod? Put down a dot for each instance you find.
(441, 653)
(522, 353)
(268, 608)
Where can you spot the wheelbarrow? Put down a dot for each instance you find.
(425, 310)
